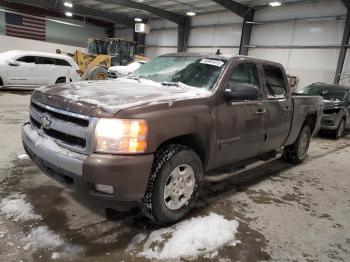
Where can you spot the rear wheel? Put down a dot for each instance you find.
(61, 80)
(297, 152)
(1, 83)
(340, 130)
(173, 186)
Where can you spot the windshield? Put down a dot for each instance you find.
(328, 94)
(192, 71)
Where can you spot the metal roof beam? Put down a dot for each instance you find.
(78, 9)
(234, 6)
(346, 3)
(171, 16)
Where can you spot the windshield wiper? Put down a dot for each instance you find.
(166, 83)
(134, 77)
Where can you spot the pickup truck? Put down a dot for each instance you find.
(150, 140)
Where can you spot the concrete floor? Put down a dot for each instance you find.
(285, 213)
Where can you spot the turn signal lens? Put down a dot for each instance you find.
(120, 136)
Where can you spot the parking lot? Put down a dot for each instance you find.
(284, 212)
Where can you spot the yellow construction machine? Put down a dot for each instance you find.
(102, 54)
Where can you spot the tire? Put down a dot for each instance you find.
(1, 83)
(297, 152)
(340, 130)
(166, 185)
(61, 80)
(98, 73)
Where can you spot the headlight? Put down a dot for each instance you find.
(118, 136)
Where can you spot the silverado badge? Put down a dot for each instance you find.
(45, 122)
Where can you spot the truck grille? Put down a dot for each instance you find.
(68, 129)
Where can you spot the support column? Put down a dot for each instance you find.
(246, 32)
(140, 40)
(343, 49)
(183, 35)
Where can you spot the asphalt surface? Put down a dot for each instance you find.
(285, 212)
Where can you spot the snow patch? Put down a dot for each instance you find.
(16, 208)
(22, 156)
(189, 239)
(43, 238)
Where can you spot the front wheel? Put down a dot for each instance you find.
(297, 152)
(173, 186)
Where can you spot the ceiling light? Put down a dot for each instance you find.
(68, 4)
(70, 14)
(276, 3)
(137, 19)
(190, 13)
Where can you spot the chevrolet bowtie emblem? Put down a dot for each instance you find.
(45, 122)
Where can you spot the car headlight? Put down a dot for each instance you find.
(121, 136)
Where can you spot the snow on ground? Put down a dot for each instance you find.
(43, 238)
(17, 209)
(189, 239)
(40, 237)
(22, 156)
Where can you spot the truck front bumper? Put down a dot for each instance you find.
(330, 122)
(127, 174)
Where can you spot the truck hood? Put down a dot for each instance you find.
(114, 95)
(333, 104)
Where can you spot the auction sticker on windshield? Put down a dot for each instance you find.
(213, 62)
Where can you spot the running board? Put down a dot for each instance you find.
(241, 170)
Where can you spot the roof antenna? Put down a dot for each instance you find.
(218, 52)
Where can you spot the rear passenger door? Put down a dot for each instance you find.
(46, 70)
(278, 106)
(239, 123)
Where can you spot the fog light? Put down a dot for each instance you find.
(104, 189)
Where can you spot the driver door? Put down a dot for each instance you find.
(23, 73)
(239, 123)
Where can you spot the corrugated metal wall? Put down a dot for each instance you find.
(304, 38)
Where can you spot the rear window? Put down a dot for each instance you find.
(61, 62)
(45, 60)
(275, 81)
(26, 59)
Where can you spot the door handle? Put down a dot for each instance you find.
(287, 108)
(260, 112)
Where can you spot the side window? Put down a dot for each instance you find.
(275, 82)
(27, 59)
(245, 73)
(61, 62)
(45, 60)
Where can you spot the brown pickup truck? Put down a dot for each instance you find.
(150, 139)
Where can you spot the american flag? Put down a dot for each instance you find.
(25, 26)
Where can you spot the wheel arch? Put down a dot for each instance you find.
(311, 121)
(193, 141)
(59, 78)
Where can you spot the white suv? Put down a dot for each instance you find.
(33, 69)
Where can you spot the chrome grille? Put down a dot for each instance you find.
(69, 130)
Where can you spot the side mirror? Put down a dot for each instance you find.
(13, 63)
(241, 92)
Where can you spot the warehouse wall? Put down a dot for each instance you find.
(127, 34)
(72, 35)
(308, 48)
(64, 34)
(14, 43)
